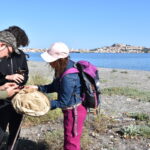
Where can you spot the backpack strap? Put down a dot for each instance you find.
(70, 70)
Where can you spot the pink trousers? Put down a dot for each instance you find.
(73, 125)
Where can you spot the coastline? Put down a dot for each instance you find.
(115, 48)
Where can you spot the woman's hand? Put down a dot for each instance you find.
(8, 85)
(18, 78)
(12, 90)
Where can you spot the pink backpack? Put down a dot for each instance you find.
(90, 82)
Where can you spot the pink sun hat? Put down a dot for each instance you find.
(56, 51)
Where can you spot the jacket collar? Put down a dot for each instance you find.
(70, 64)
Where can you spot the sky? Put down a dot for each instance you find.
(81, 24)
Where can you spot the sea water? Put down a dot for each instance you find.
(132, 61)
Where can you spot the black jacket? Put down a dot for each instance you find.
(13, 65)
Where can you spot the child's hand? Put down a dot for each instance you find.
(31, 87)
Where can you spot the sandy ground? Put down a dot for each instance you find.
(114, 106)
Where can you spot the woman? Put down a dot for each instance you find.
(69, 94)
(11, 65)
(8, 89)
(19, 62)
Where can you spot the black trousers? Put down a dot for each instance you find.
(9, 117)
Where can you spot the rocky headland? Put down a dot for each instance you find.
(115, 48)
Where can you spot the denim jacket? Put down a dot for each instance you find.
(68, 89)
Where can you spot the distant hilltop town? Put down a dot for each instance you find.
(115, 48)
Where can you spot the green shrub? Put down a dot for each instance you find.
(131, 130)
(125, 72)
(129, 92)
(136, 130)
(139, 116)
(51, 116)
(114, 70)
(99, 123)
(103, 81)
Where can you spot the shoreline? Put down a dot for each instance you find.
(34, 63)
(109, 77)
